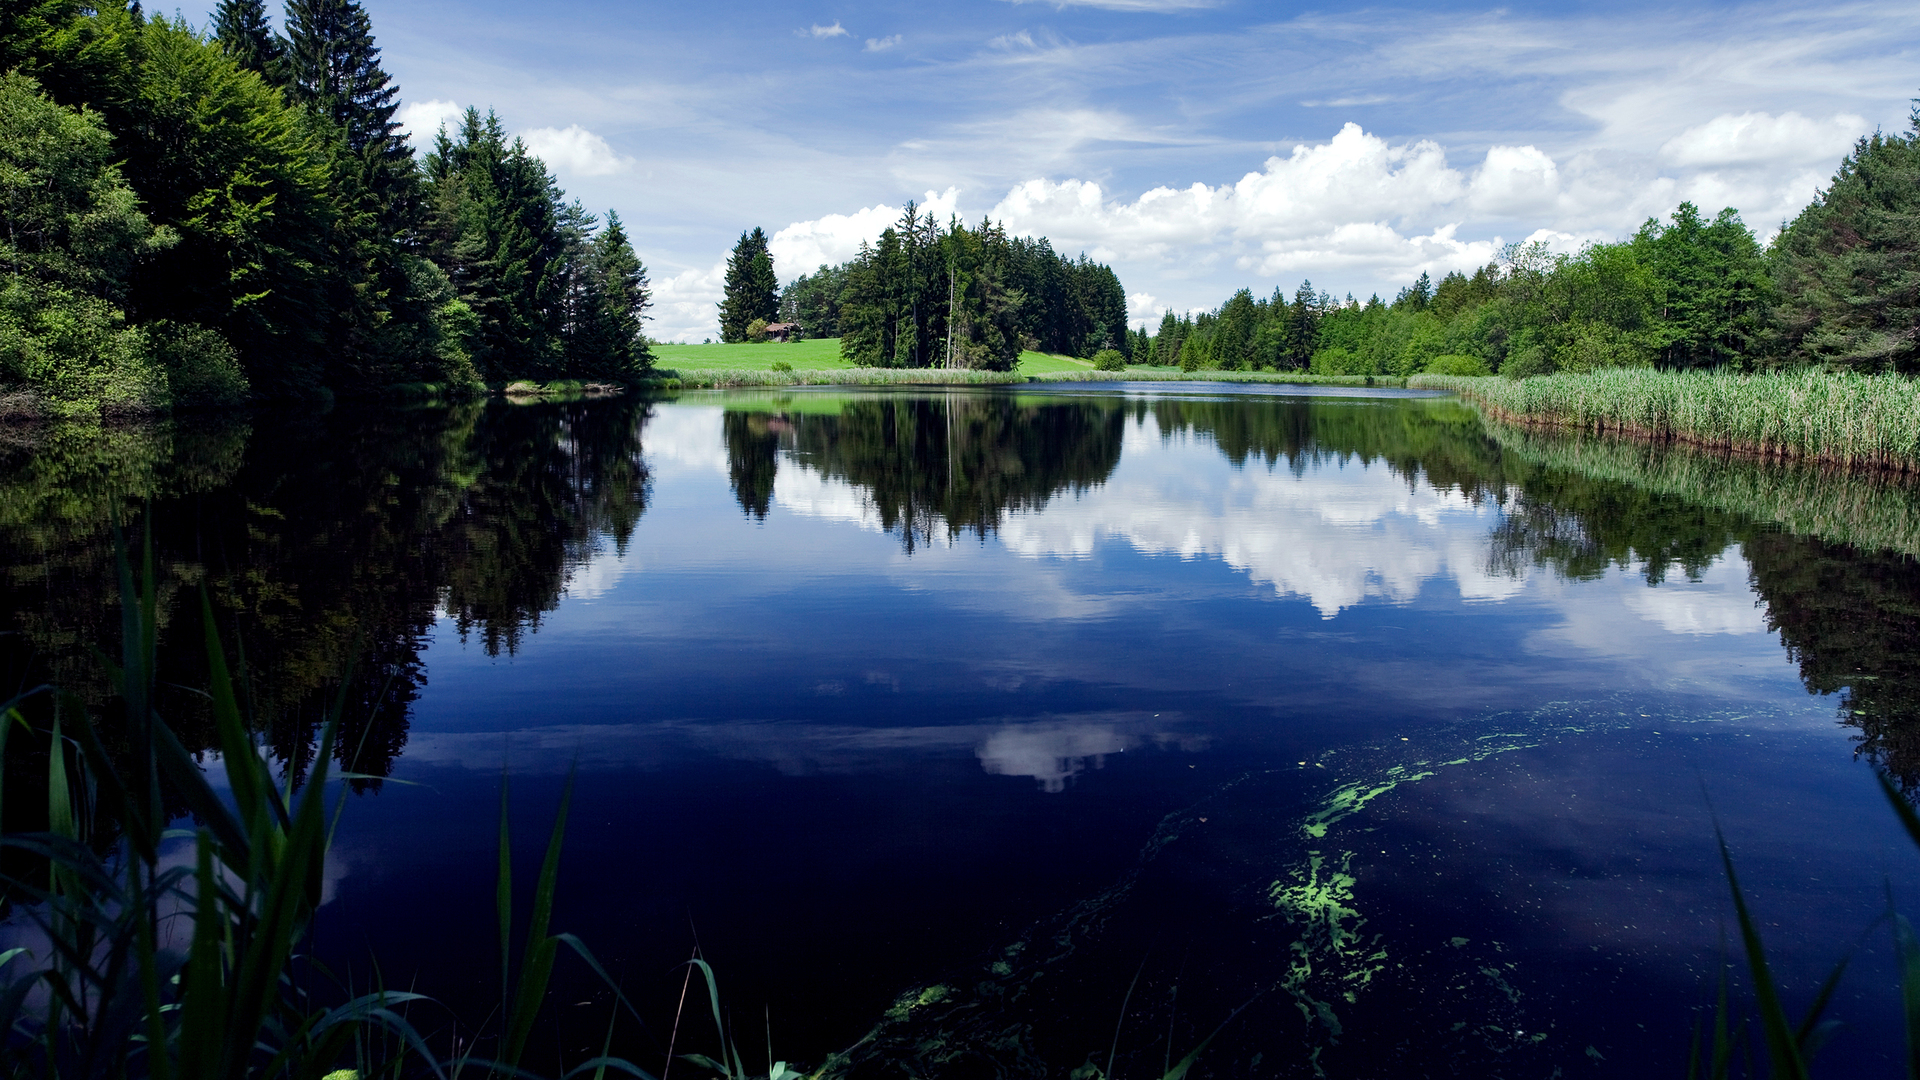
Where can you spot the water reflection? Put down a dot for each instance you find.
(968, 648)
(329, 547)
(931, 467)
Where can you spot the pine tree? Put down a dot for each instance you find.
(241, 28)
(752, 290)
(617, 294)
(334, 66)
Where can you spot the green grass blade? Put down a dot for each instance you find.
(9, 716)
(284, 908)
(537, 965)
(1180, 1068)
(1812, 1034)
(1114, 1050)
(245, 773)
(503, 900)
(1901, 807)
(1906, 950)
(203, 1019)
(1783, 1051)
(59, 799)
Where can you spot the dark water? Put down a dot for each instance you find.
(940, 720)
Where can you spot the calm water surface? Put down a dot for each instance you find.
(937, 719)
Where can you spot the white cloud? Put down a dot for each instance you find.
(1143, 309)
(574, 150)
(421, 119)
(835, 238)
(883, 44)
(818, 31)
(1758, 138)
(685, 305)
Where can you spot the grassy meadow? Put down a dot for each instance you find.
(816, 354)
(817, 362)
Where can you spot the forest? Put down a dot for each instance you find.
(928, 295)
(1835, 289)
(197, 218)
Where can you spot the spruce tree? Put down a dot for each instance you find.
(1847, 267)
(611, 344)
(335, 67)
(752, 290)
(241, 28)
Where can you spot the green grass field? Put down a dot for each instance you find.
(819, 355)
(822, 354)
(733, 365)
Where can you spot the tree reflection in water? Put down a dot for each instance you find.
(328, 546)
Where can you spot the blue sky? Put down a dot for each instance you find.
(1198, 146)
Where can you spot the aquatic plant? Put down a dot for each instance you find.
(104, 988)
(1790, 1047)
(1842, 418)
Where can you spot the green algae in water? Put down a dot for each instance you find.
(1004, 1016)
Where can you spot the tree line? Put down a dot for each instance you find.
(193, 216)
(1835, 288)
(933, 295)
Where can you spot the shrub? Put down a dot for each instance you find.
(202, 370)
(1456, 364)
(782, 365)
(757, 330)
(1109, 360)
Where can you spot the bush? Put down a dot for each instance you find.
(1109, 360)
(782, 365)
(757, 330)
(202, 370)
(1456, 364)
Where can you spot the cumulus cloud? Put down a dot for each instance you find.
(882, 44)
(1758, 138)
(685, 305)
(818, 31)
(574, 150)
(420, 119)
(835, 238)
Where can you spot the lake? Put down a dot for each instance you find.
(1015, 729)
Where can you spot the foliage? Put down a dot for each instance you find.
(71, 230)
(548, 297)
(1848, 268)
(959, 297)
(752, 291)
(812, 302)
(1109, 360)
(273, 202)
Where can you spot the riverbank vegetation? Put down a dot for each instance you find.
(1833, 290)
(194, 219)
(1840, 418)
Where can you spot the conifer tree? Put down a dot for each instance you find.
(335, 67)
(752, 290)
(1847, 267)
(241, 28)
(606, 339)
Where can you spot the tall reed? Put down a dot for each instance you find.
(107, 988)
(1836, 417)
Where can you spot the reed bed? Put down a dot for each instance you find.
(1300, 378)
(721, 379)
(1864, 508)
(1869, 421)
